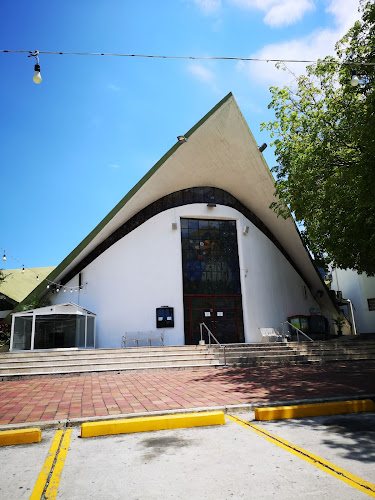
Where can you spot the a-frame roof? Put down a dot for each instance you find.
(220, 152)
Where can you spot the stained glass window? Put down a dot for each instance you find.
(210, 256)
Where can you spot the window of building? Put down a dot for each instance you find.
(371, 304)
(210, 256)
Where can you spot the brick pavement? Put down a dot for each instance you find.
(44, 399)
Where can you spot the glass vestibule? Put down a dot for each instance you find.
(53, 327)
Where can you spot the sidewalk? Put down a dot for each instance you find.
(41, 400)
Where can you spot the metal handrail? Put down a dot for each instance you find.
(298, 331)
(210, 334)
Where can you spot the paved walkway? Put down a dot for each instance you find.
(64, 398)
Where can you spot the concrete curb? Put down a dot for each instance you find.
(314, 410)
(145, 424)
(21, 436)
(247, 407)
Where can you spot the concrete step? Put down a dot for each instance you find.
(90, 371)
(64, 362)
(296, 352)
(109, 365)
(250, 353)
(94, 352)
(325, 352)
(60, 361)
(340, 357)
(265, 360)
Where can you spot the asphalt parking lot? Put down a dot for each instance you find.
(219, 462)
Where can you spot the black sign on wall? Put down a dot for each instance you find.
(164, 317)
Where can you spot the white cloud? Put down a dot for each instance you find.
(113, 87)
(208, 6)
(278, 12)
(345, 16)
(205, 76)
(201, 73)
(287, 12)
(314, 46)
(114, 165)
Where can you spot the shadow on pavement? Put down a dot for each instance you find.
(282, 383)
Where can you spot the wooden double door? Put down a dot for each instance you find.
(221, 313)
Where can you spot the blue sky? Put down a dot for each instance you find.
(74, 145)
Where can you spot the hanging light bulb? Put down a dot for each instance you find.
(37, 77)
(23, 268)
(48, 285)
(71, 290)
(64, 289)
(37, 277)
(4, 257)
(57, 289)
(354, 80)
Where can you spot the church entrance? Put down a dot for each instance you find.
(211, 279)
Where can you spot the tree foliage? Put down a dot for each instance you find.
(324, 138)
(3, 276)
(34, 302)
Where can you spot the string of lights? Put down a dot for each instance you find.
(217, 58)
(37, 78)
(56, 287)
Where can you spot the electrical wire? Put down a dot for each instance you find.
(201, 58)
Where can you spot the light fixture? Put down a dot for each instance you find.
(262, 147)
(211, 203)
(48, 285)
(37, 78)
(181, 138)
(71, 290)
(354, 80)
(23, 268)
(4, 257)
(64, 289)
(57, 289)
(37, 277)
(245, 229)
(174, 226)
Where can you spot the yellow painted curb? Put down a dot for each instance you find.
(22, 436)
(314, 410)
(145, 424)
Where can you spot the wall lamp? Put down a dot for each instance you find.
(181, 138)
(211, 203)
(262, 147)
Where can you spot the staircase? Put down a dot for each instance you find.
(15, 365)
(296, 352)
(26, 364)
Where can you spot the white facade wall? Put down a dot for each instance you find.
(143, 271)
(358, 288)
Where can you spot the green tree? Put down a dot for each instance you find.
(34, 302)
(324, 138)
(3, 276)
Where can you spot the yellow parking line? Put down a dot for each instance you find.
(53, 486)
(46, 469)
(354, 481)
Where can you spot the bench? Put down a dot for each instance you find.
(143, 337)
(271, 333)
